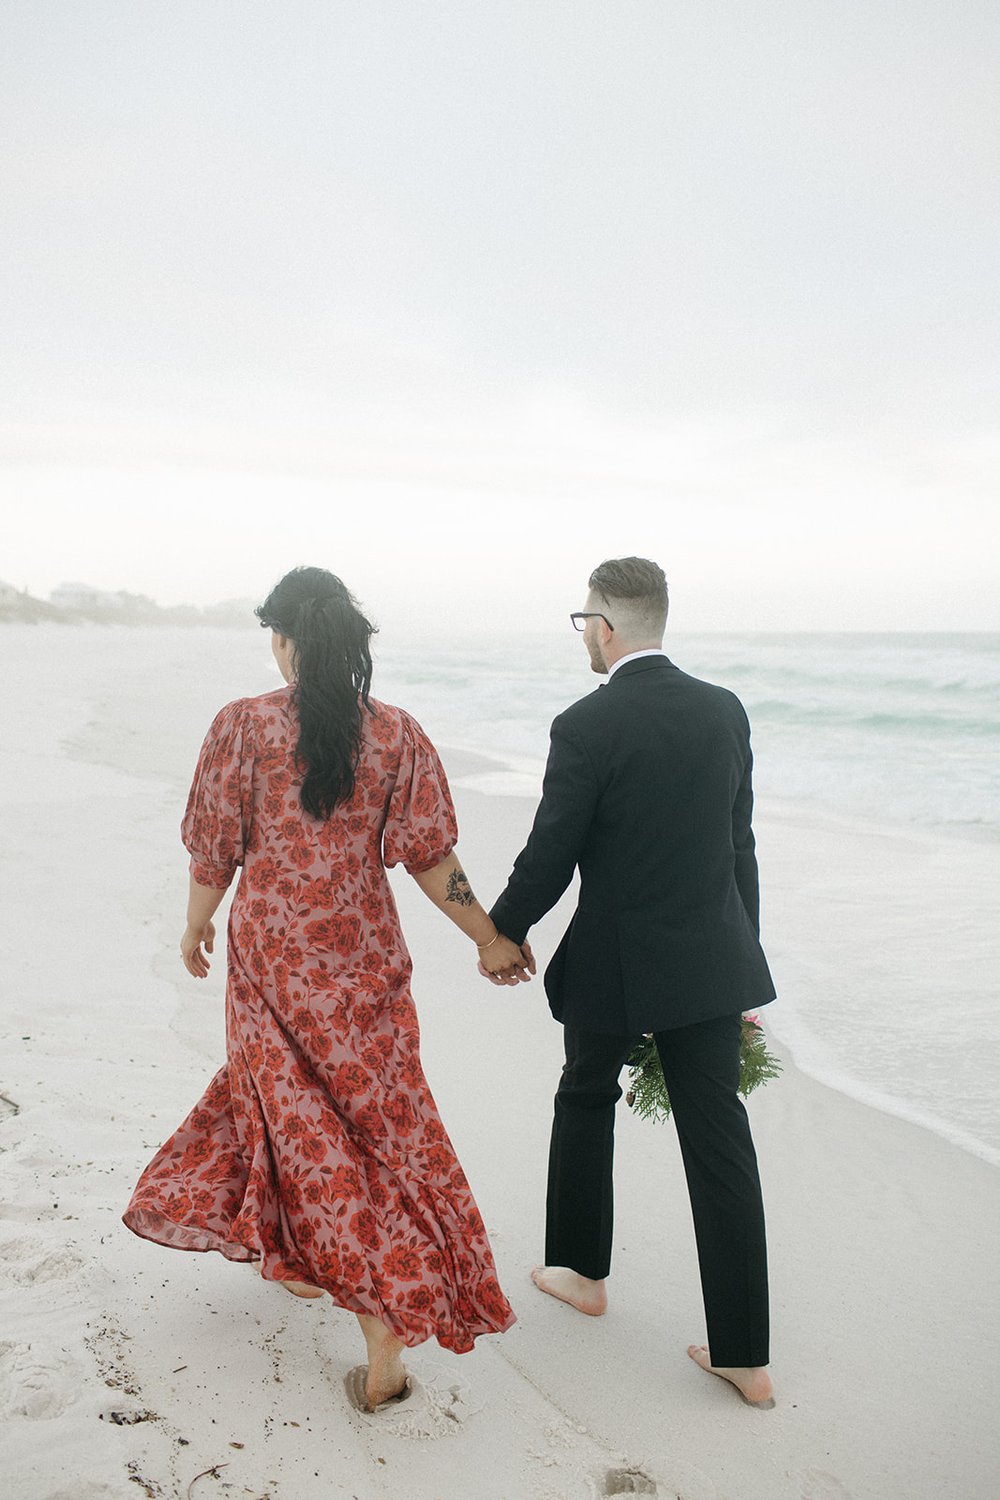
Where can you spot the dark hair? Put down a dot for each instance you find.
(639, 587)
(333, 666)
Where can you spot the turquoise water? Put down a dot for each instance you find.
(894, 728)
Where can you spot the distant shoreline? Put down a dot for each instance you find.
(21, 608)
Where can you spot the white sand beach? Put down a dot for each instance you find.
(130, 1370)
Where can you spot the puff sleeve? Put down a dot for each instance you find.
(420, 826)
(216, 824)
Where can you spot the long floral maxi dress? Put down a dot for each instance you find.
(317, 1150)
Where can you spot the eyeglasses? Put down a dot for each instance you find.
(580, 617)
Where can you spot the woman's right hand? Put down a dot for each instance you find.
(504, 962)
(191, 948)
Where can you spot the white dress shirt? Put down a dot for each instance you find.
(634, 656)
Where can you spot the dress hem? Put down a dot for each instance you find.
(137, 1221)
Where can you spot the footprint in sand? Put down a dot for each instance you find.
(20, 1204)
(665, 1477)
(817, 1484)
(438, 1406)
(84, 1491)
(586, 1467)
(27, 1262)
(629, 1482)
(35, 1383)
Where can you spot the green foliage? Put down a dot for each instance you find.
(647, 1093)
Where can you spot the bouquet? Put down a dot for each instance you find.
(647, 1093)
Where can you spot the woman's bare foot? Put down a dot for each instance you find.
(586, 1296)
(302, 1289)
(297, 1288)
(386, 1376)
(752, 1381)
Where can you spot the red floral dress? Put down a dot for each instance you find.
(317, 1150)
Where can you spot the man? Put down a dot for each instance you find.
(648, 791)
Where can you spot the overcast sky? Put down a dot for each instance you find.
(459, 298)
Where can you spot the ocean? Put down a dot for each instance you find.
(898, 728)
(877, 786)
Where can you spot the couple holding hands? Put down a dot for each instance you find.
(317, 1151)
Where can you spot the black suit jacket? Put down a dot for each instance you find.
(648, 791)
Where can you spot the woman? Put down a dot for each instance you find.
(317, 1151)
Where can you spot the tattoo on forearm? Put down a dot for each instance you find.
(459, 889)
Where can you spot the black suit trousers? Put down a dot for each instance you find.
(701, 1068)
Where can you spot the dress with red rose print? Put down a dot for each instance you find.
(317, 1150)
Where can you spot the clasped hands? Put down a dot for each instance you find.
(504, 962)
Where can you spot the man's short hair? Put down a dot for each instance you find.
(635, 592)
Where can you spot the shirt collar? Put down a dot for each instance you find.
(633, 656)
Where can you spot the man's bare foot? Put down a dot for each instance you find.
(752, 1381)
(586, 1296)
(386, 1376)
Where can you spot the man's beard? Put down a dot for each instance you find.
(596, 661)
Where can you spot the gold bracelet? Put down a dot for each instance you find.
(483, 946)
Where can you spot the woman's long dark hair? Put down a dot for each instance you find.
(333, 666)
